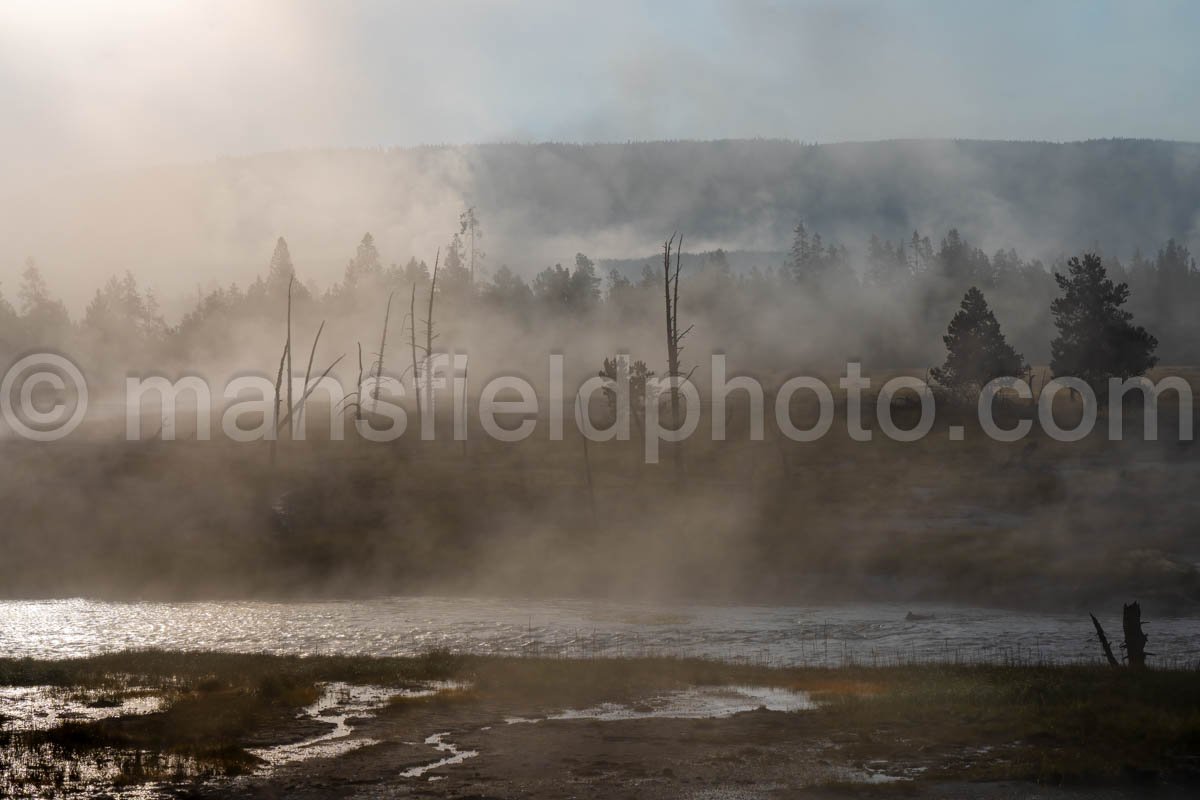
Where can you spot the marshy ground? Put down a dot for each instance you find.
(462, 726)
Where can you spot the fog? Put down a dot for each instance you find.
(171, 170)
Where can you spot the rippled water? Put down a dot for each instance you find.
(865, 634)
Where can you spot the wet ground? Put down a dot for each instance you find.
(735, 742)
(637, 750)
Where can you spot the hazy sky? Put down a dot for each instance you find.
(141, 81)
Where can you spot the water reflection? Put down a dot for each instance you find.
(781, 635)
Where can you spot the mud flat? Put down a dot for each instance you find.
(453, 726)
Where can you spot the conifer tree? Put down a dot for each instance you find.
(1096, 337)
(977, 351)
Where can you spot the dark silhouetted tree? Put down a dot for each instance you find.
(1096, 338)
(585, 284)
(976, 350)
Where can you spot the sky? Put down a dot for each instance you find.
(115, 84)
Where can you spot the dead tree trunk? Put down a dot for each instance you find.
(358, 387)
(412, 340)
(674, 337)
(429, 338)
(1135, 639)
(378, 366)
(1108, 653)
(291, 280)
(287, 346)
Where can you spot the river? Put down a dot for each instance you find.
(874, 633)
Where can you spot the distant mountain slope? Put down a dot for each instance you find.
(540, 203)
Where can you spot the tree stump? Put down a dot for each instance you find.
(1135, 639)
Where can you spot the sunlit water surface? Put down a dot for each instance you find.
(863, 634)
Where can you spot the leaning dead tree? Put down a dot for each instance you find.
(674, 335)
(1135, 639)
(412, 340)
(355, 398)
(309, 385)
(288, 351)
(287, 348)
(285, 361)
(377, 369)
(421, 371)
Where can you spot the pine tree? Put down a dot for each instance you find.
(585, 284)
(977, 351)
(280, 271)
(365, 264)
(1096, 339)
(470, 231)
(43, 317)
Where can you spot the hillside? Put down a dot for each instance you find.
(180, 226)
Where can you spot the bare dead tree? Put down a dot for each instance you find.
(412, 340)
(309, 389)
(278, 383)
(1108, 652)
(358, 386)
(429, 337)
(674, 335)
(308, 371)
(377, 369)
(288, 351)
(1135, 639)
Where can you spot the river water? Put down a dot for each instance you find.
(875, 633)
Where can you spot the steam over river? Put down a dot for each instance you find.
(863, 634)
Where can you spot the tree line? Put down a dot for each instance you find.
(892, 302)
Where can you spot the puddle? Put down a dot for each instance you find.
(37, 770)
(870, 777)
(340, 702)
(699, 702)
(40, 708)
(440, 743)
